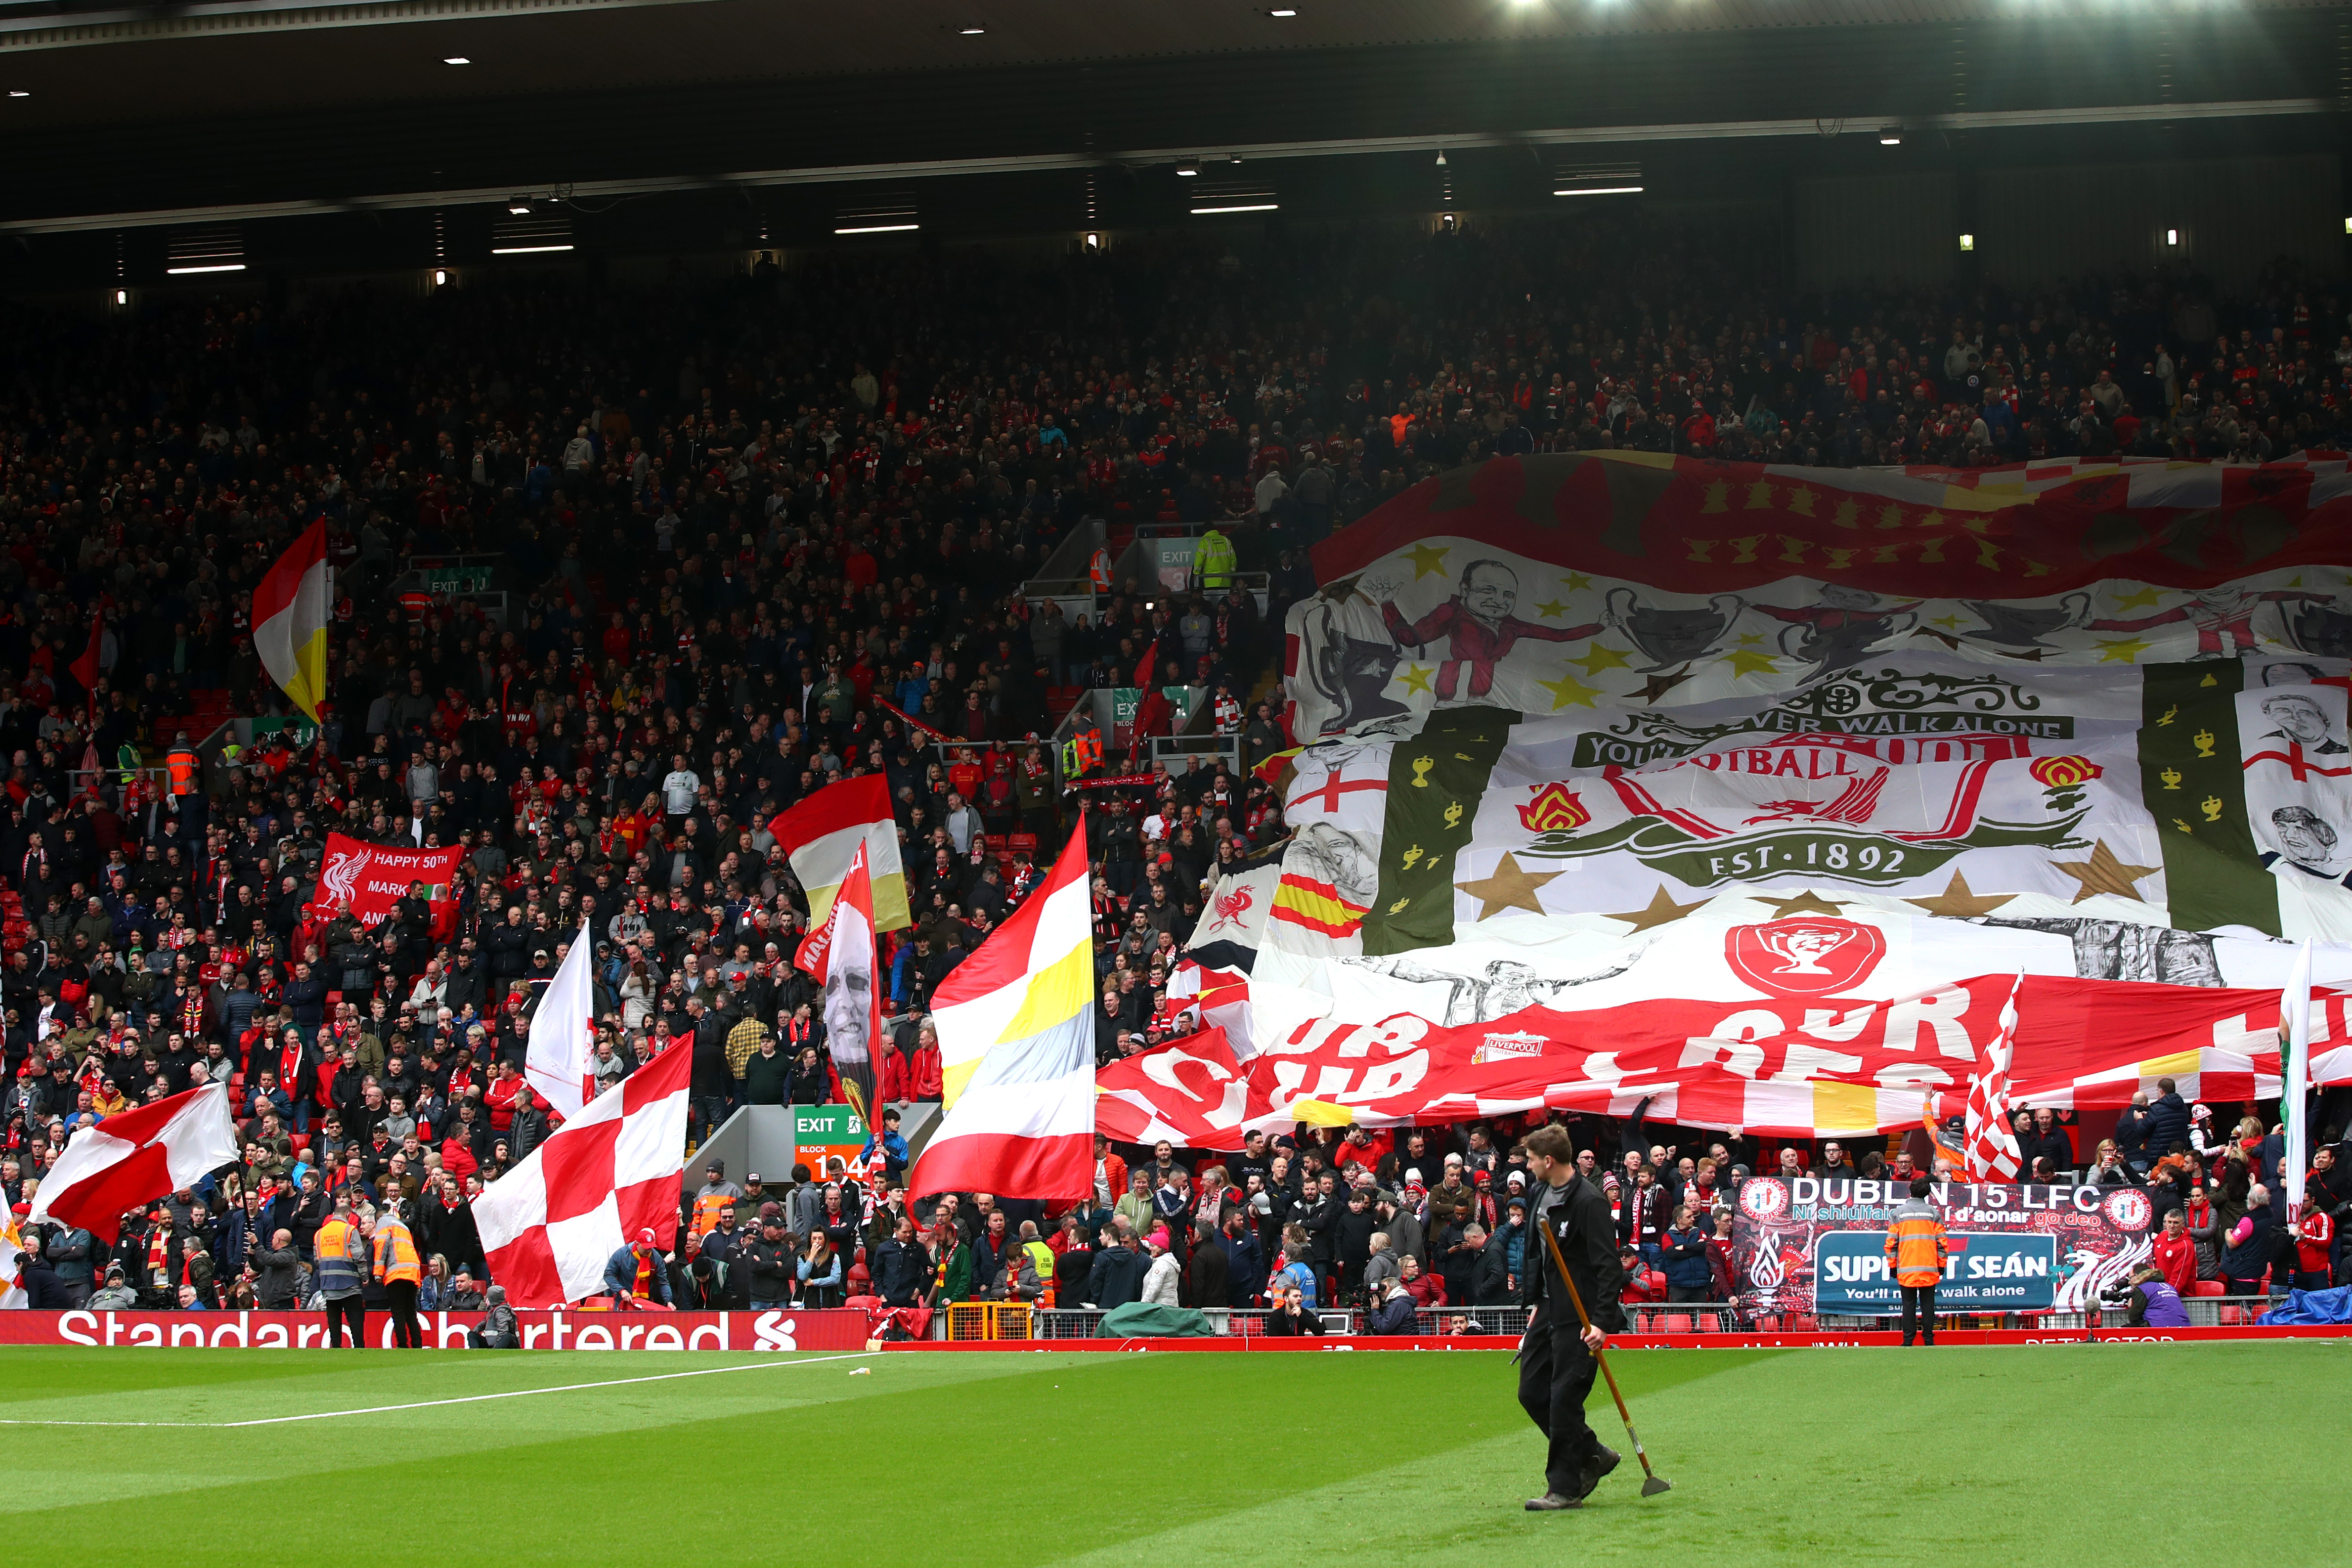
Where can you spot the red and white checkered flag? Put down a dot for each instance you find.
(1988, 1142)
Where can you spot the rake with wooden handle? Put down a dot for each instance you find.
(1654, 1483)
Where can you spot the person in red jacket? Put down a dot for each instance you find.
(925, 1069)
(501, 1097)
(2315, 1239)
(2176, 1254)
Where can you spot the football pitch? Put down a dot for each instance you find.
(1960, 1454)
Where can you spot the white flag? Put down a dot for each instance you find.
(560, 1060)
(2294, 1076)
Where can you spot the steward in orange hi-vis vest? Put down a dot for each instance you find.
(1916, 1252)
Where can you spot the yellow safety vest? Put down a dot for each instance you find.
(395, 1252)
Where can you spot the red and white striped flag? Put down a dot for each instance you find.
(1988, 1142)
(551, 1225)
(134, 1157)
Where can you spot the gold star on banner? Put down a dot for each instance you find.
(1598, 658)
(1657, 686)
(2145, 598)
(1804, 903)
(1959, 901)
(2104, 873)
(1751, 639)
(1510, 888)
(1744, 662)
(1949, 623)
(1551, 609)
(1427, 559)
(1578, 583)
(2123, 651)
(1661, 910)
(1568, 689)
(1416, 676)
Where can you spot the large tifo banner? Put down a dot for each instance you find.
(554, 1330)
(371, 877)
(1749, 792)
(1813, 1245)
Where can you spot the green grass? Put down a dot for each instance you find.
(1852, 1457)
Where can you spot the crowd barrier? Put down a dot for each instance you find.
(1011, 1324)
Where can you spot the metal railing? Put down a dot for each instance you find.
(2204, 1312)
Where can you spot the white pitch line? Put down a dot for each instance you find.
(465, 1399)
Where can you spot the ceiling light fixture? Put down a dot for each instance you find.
(1890, 136)
(123, 296)
(209, 267)
(1441, 157)
(1230, 199)
(1190, 167)
(878, 228)
(972, 32)
(1967, 242)
(518, 206)
(18, 92)
(440, 276)
(1601, 191)
(1283, 11)
(456, 60)
(526, 250)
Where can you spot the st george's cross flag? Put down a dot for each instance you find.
(1990, 1142)
(821, 833)
(1016, 1050)
(551, 1225)
(136, 1156)
(292, 606)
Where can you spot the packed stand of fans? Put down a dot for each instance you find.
(761, 534)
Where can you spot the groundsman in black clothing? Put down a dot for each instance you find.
(1556, 1365)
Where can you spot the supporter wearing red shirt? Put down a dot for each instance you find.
(2176, 1255)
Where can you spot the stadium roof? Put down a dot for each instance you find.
(241, 112)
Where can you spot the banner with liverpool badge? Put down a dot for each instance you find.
(370, 878)
(1813, 1246)
(1805, 1015)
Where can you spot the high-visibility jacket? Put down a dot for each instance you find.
(183, 765)
(336, 1254)
(1214, 560)
(1098, 570)
(127, 763)
(706, 1212)
(1916, 1249)
(395, 1252)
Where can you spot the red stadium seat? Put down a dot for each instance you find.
(2208, 1288)
(2232, 1314)
(1674, 1323)
(301, 1143)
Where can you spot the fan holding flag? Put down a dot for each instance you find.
(1989, 1143)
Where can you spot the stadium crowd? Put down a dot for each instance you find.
(759, 534)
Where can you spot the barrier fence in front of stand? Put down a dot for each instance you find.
(1643, 1319)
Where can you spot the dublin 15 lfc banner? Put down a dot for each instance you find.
(1817, 1246)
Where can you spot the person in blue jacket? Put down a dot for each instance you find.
(1690, 1274)
(639, 1260)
